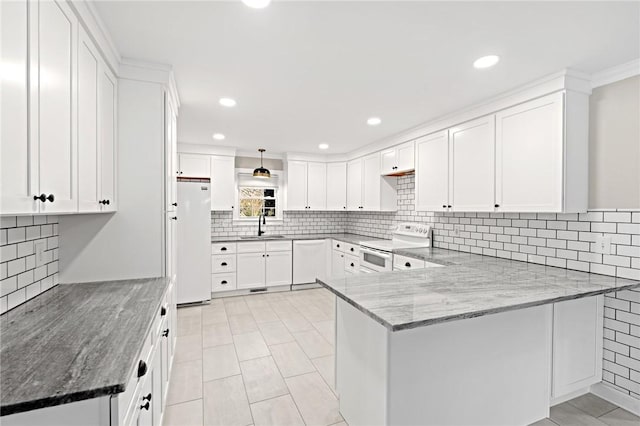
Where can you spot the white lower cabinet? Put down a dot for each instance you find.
(278, 268)
(263, 264)
(337, 263)
(251, 270)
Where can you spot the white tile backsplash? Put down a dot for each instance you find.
(20, 279)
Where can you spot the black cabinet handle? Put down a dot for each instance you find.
(104, 202)
(352, 265)
(267, 255)
(449, 206)
(408, 265)
(496, 205)
(163, 311)
(223, 282)
(344, 207)
(223, 264)
(145, 406)
(351, 249)
(223, 249)
(174, 204)
(444, 206)
(51, 198)
(165, 333)
(338, 245)
(263, 255)
(147, 398)
(41, 197)
(174, 218)
(142, 368)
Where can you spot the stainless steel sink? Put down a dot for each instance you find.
(263, 237)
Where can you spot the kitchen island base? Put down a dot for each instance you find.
(488, 370)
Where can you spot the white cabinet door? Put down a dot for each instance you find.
(577, 344)
(156, 386)
(171, 246)
(337, 263)
(405, 157)
(57, 28)
(18, 152)
(371, 182)
(336, 186)
(250, 272)
(223, 182)
(529, 152)
(389, 161)
(297, 185)
(88, 147)
(317, 186)
(279, 268)
(472, 165)
(107, 122)
(171, 156)
(354, 185)
(432, 172)
(194, 165)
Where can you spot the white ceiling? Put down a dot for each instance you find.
(306, 73)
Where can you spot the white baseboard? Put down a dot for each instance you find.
(569, 396)
(614, 396)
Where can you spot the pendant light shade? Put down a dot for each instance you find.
(261, 172)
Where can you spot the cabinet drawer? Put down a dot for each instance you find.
(251, 247)
(223, 263)
(404, 262)
(352, 264)
(338, 245)
(223, 282)
(352, 249)
(223, 248)
(278, 246)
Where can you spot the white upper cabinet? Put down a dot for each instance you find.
(306, 185)
(472, 165)
(432, 172)
(336, 186)
(371, 182)
(194, 166)
(398, 160)
(96, 130)
(171, 155)
(17, 150)
(354, 185)
(297, 185)
(529, 153)
(223, 190)
(56, 99)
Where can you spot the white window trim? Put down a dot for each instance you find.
(237, 220)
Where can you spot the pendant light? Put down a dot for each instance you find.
(261, 172)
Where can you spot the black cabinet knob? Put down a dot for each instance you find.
(444, 206)
(174, 204)
(142, 368)
(223, 264)
(338, 245)
(41, 197)
(165, 333)
(449, 206)
(352, 265)
(496, 205)
(51, 198)
(263, 255)
(344, 207)
(145, 406)
(351, 249)
(147, 398)
(223, 282)
(408, 265)
(174, 218)
(163, 311)
(267, 255)
(223, 249)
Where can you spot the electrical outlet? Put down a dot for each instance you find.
(602, 245)
(41, 246)
(456, 230)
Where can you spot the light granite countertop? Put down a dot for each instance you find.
(468, 286)
(344, 237)
(75, 342)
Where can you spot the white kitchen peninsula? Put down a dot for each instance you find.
(482, 341)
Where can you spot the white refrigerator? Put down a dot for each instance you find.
(194, 240)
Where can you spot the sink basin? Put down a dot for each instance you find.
(263, 237)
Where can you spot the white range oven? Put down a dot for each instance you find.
(377, 256)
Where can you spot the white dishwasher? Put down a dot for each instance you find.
(309, 262)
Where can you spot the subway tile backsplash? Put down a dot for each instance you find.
(22, 276)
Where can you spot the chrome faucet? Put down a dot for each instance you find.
(261, 221)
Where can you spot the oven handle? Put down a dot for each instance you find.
(375, 252)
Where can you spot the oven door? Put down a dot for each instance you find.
(376, 260)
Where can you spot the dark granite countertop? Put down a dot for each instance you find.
(344, 237)
(75, 342)
(469, 285)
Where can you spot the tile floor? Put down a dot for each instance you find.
(268, 359)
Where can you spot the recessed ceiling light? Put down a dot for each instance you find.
(323, 146)
(374, 121)
(228, 102)
(486, 61)
(218, 136)
(257, 4)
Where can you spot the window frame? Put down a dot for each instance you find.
(278, 196)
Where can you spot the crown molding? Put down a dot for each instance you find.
(617, 73)
(192, 148)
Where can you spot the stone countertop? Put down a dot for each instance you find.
(344, 237)
(75, 342)
(468, 286)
